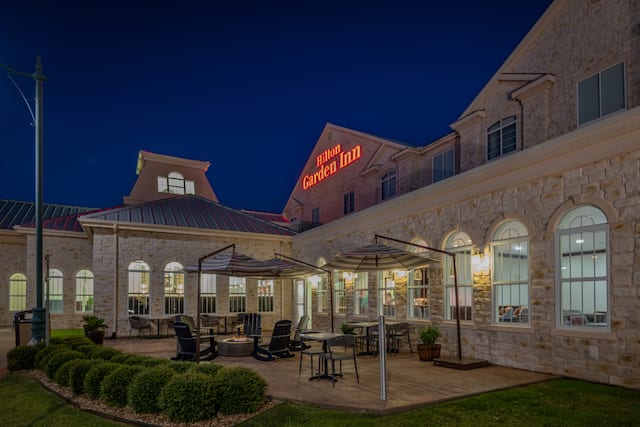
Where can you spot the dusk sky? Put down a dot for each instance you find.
(246, 85)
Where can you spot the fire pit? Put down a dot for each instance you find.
(235, 346)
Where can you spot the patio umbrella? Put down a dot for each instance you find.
(378, 257)
(235, 264)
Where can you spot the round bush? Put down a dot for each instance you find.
(104, 353)
(22, 357)
(85, 348)
(181, 366)
(239, 390)
(40, 360)
(93, 379)
(188, 397)
(116, 383)
(78, 372)
(76, 342)
(206, 368)
(57, 359)
(129, 359)
(62, 374)
(143, 390)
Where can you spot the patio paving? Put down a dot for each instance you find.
(410, 382)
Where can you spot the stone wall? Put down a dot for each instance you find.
(12, 260)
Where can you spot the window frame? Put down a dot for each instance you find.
(388, 186)
(419, 295)
(55, 283)
(139, 279)
(208, 293)
(173, 295)
(598, 75)
(82, 298)
(17, 297)
(237, 294)
(349, 202)
(266, 296)
(387, 288)
(442, 158)
(461, 245)
(361, 294)
(498, 128)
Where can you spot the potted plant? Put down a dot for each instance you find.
(346, 329)
(429, 350)
(94, 327)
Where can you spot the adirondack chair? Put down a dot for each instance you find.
(186, 344)
(252, 324)
(296, 344)
(278, 346)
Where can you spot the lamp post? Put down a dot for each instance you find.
(38, 318)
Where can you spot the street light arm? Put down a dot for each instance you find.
(16, 72)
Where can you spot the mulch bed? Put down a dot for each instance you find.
(128, 416)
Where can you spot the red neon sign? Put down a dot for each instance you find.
(330, 162)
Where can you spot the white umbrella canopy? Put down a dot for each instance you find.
(378, 257)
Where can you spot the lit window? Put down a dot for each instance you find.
(501, 138)
(237, 294)
(342, 279)
(460, 244)
(388, 186)
(265, 295)
(17, 292)
(387, 293)
(349, 202)
(173, 288)
(584, 285)
(510, 276)
(361, 294)
(443, 166)
(418, 294)
(208, 293)
(84, 291)
(138, 273)
(55, 291)
(322, 292)
(175, 184)
(601, 94)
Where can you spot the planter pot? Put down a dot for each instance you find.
(96, 336)
(429, 351)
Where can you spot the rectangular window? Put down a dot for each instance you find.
(601, 94)
(418, 295)
(55, 293)
(321, 293)
(361, 292)
(315, 215)
(237, 294)
(340, 291)
(265, 295)
(465, 288)
(387, 294)
(349, 202)
(208, 293)
(163, 185)
(501, 138)
(443, 165)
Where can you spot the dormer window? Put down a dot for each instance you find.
(601, 94)
(175, 184)
(501, 138)
(388, 186)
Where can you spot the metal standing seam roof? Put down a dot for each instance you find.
(59, 217)
(189, 211)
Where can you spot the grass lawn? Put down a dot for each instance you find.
(553, 403)
(67, 333)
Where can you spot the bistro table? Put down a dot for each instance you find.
(321, 337)
(367, 334)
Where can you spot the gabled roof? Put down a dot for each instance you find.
(14, 213)
(187, 211)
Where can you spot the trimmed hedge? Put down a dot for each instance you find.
(181, 366)
(40, 360)
(189, 397)
(23, 357)
(76, 342)
(116, 383)
(239, 390)
(77, 372)
(93, 379)
(207, 369)
(103, 353)
(144, 389)
(59, 358)
(62, 374)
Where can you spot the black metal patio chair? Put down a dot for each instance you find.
(278, 346)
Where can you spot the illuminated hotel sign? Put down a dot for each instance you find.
(329, 162)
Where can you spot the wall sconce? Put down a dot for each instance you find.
(479, 262)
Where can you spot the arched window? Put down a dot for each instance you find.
(138, 272)
(388, 186)
(460, 244)
(510, 274)
(17, 292)
(501, 138)
(55, 292)
(175, 183)
(173, 288)
(84, 291)
(583, 241)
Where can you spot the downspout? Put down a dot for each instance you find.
(116, 281)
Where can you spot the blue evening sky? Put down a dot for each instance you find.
(246, 85)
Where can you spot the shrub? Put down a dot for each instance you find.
(116, 383)
(189, 397)
(181, 366)
(143, 390)
(22, 357)
(93, 379)
(62, 374)
(206, 368)
(56, 360)
(78, 372)
(75, 342)
(40, 360)
(85, 349)
(239, 390)
(130, 359)
(104, 353)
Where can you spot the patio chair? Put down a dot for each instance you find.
(311, 351)
(278, 344)
(342, 347)
(296, 344)
(186, 344)
(396, 334)
(140, 324)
